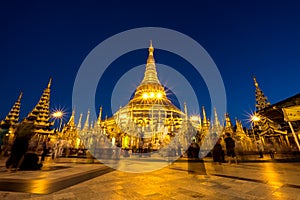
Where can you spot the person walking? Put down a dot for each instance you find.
(260, 149)
(271, 149)
(217, 152)
(230, 145)
(46, 147)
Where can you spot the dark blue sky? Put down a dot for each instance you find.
(41, 40)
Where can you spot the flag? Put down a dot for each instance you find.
(291, 113)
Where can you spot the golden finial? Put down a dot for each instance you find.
(255, 81)
(20, 96)
(49, 84)
(151, 50)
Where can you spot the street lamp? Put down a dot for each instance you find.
(255, 119)
(58, 115)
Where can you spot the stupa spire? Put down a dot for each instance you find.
(79, 122)
(261, 100)
(86, 124)
(185, 111)
(49, 83)
(150, 75)
(69, 129)
(71, 121)
(12, 118)
(239, 127)
(99, 117)
(228, 124)
(216, 119)
(204, 116)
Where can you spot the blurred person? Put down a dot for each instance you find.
(260, 149)
(230, 145)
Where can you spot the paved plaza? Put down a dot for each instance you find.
(80, 179)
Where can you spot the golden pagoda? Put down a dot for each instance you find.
(242, 138)
(264, 126)
(69, 133)
(228, 125)
(205, 122)
(149, 116)
(12, 118)
(40, 115)
(11, 121)
(261, 100)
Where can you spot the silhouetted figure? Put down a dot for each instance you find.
(46, 148)
(30, 162)
(18, 150)
(217, 152)
(23, 134)
(195, 164)
(230, 145)
(141, 145)
(193, 150)
(271, 149)
(260, 149)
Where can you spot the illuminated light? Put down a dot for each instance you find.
(255, 118)
(58, 114)
(159, 95)
(145, 96)
(152, 94)
(195, 118)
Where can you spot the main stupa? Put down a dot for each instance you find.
(149, 116)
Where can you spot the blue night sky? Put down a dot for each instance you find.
(40, 40)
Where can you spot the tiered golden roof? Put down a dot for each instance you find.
(261, 100)
(40, 115)
(12, 118)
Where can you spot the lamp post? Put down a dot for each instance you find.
(58, 115)
(255, 119)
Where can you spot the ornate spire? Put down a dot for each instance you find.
(86, 124)
(12, 118)
(99, 117)
(68, 131)
(49, 84)
(40, 115)
(239, 127)
(185, 111)
(71, 121)
(228, 124)
(205, 122)
(261, 100)
(79, 122)
(150, 75)
(216, 119)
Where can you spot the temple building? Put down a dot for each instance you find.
(149, 116)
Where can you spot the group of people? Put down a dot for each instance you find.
(218, 152)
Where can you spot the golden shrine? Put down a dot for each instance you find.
(149, 117)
